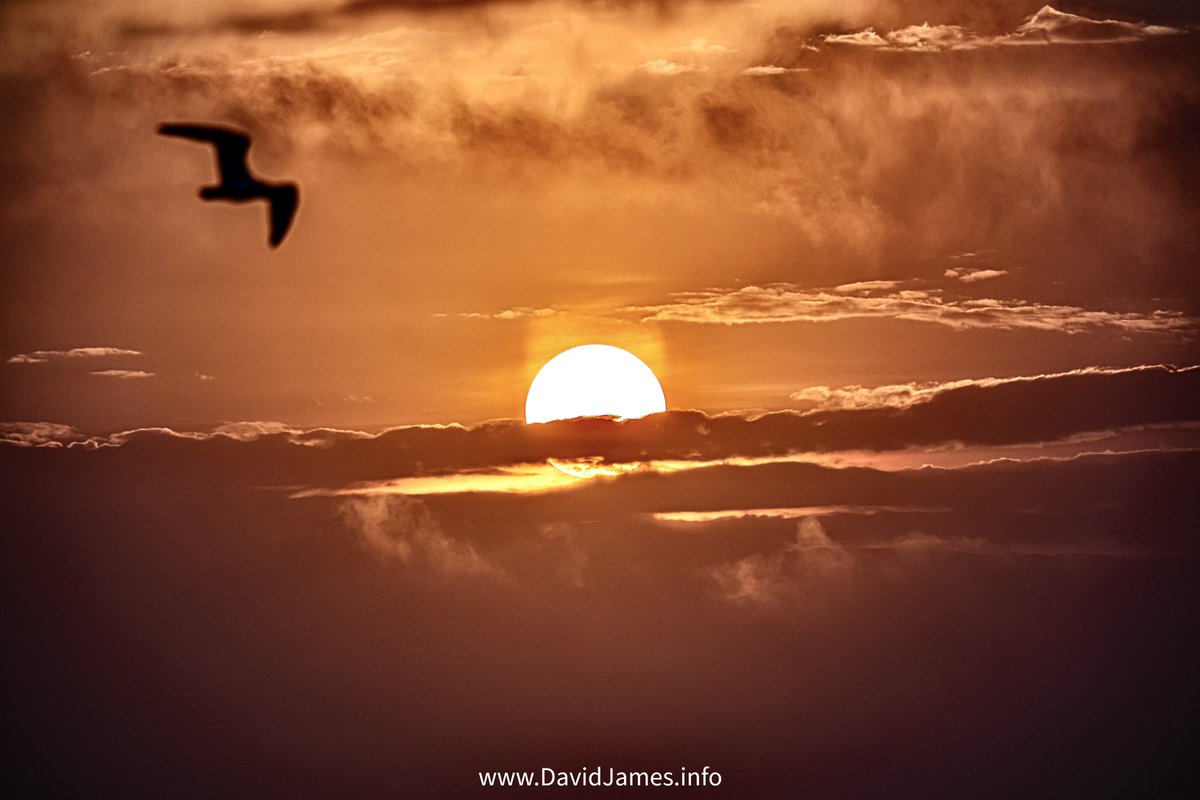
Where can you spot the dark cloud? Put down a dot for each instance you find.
(186, 633)
(1088, 24)
(304, 20)
(324, 17)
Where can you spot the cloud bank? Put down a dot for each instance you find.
(982, 412)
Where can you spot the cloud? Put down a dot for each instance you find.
(924, 37)
(38, 434)
(787, 302)
(530, 110)
(165, 587)
(252, 431)
(308, 18)
(982, 413)
(661, 66)
(904, 395)
(42, 356)
(914, 301)
(703, 47)
(205, 617)
(770, 69)
(806, 570)
(123, 374)
(520, 312)
(395, 526)
(1047, 26)
(865, 286)
(1051, 25)
(974, 275)
(317, 17)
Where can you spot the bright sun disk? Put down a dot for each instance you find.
(594, 380)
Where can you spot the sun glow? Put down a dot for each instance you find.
(593, 380)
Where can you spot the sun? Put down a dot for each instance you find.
(593, 380)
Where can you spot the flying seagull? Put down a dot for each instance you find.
(237, 184)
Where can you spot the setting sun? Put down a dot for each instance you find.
(593, 380)
(917, 520)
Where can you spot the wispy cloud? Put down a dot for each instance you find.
(42, 356)
(910, 300)
(662, 66)
(395, 526)
(787, 302)
(865, 286)
(123, 374)
(703, 47)
(520, 312)
(803, 571)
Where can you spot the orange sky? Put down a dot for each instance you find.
(483, 189)
(918, 278)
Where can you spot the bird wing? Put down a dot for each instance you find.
(231, 146)
(283, 201)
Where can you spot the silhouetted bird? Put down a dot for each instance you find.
(237, 184)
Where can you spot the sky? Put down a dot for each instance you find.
(918, 280)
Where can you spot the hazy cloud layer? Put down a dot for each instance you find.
(387, 93)
(213, 618)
